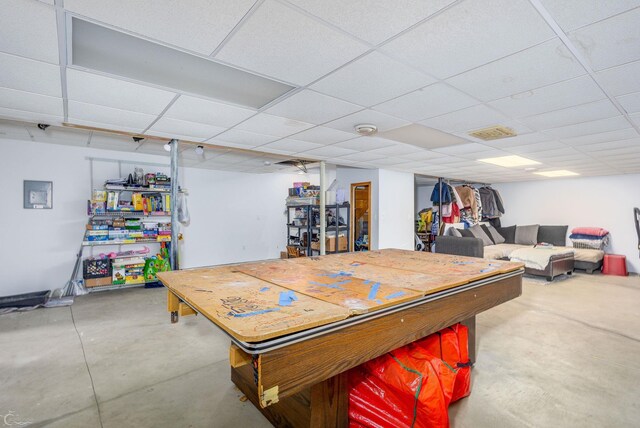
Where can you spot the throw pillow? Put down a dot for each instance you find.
(454, 232)
(556, 235)
(486, 230)
(466, 233)
(495, 235)
(509, 234)
(477, 231)
(527, 235)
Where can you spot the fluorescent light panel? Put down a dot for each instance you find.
(509, 161)
(557, 173)
(99, 48)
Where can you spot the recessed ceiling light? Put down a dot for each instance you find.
(529, 169)
(99, 48)
(557, 173)
(509, 161)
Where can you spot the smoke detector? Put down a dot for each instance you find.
(366, 129)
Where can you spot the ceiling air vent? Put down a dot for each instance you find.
(493, 133)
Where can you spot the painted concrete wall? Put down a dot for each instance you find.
(234, 216)
(590, 201)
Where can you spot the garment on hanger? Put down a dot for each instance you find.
(480, 209)
(498, 199)
(456, 197)
(489, 206)
(446, 194)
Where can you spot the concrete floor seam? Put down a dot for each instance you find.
(84, 355)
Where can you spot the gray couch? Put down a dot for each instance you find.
(584, 259)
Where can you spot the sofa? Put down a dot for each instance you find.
(465, 242)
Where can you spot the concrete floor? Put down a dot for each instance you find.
(565, 354)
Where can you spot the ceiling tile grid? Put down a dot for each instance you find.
(29, 75)
(29, 29)
(313, 107)
(208, 112)
(280, 42)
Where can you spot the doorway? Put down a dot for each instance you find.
(361, 215)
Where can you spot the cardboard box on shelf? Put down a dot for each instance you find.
(97, 282)
(330, 243)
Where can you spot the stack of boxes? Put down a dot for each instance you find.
(128, 270)
(128, 230)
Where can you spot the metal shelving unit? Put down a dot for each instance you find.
(310, 227)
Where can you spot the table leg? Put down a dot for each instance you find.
(470, 323)
(330, 402)
(173, 305)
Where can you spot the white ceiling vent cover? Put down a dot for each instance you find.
(493, 133)
(102, 49)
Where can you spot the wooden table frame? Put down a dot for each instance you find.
(305, 384)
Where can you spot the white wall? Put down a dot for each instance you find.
(234, 216)
(347, 176)
(590, 201)
(396, 209)
(423, 198)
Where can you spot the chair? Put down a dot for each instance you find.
(636, 217)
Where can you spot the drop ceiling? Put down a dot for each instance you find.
(562, 74)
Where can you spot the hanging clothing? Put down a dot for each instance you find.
(454, 217)
(489, 206)
(446, 194)
(479, 208)
(467, 197)
(498, 199)
(456, 197)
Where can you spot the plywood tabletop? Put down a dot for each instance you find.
(262, 300)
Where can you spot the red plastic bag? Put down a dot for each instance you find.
(412, 386)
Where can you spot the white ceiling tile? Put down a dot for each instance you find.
(591, 127)
(371, 80)
(29, 75)
(622, 79)
(611, 42)
(362, 156)
(398, 149)
(210, 112)
(324, 135)
(546, 155)
(422, 155)
(94, 89)
(388, 162)
(112, 142)
(384, 122)
(292, 146)
(29, 30)
(28, 116)
(26, 101)
(273, 125)
(601, 137)
(431, 101)
(175, 128)
(381, 20)
(541, 65)
(572, 14)
(525, 149)
(635, 118)
(470, 34)
(462, 148)
(613, 147)
(240, 138)
(328, 152)
(280, 42)
(312, 107)
(572, 92)
(107, 117)
(573, 115)
(199, 27)
(467, 119)
(271, 150)
(366, 143)
(630, 102)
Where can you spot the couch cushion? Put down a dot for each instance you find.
(556, 235)
(466, 233)
(485, 229)
(527, 235)
(509, 234)
(495, 235)
(477, 231)
(452, 231)
(501, 251)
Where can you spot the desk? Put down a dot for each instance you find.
(298, 325)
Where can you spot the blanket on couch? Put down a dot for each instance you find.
(537, 257)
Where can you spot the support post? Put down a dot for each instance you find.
(323, 208)
(175, 263)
